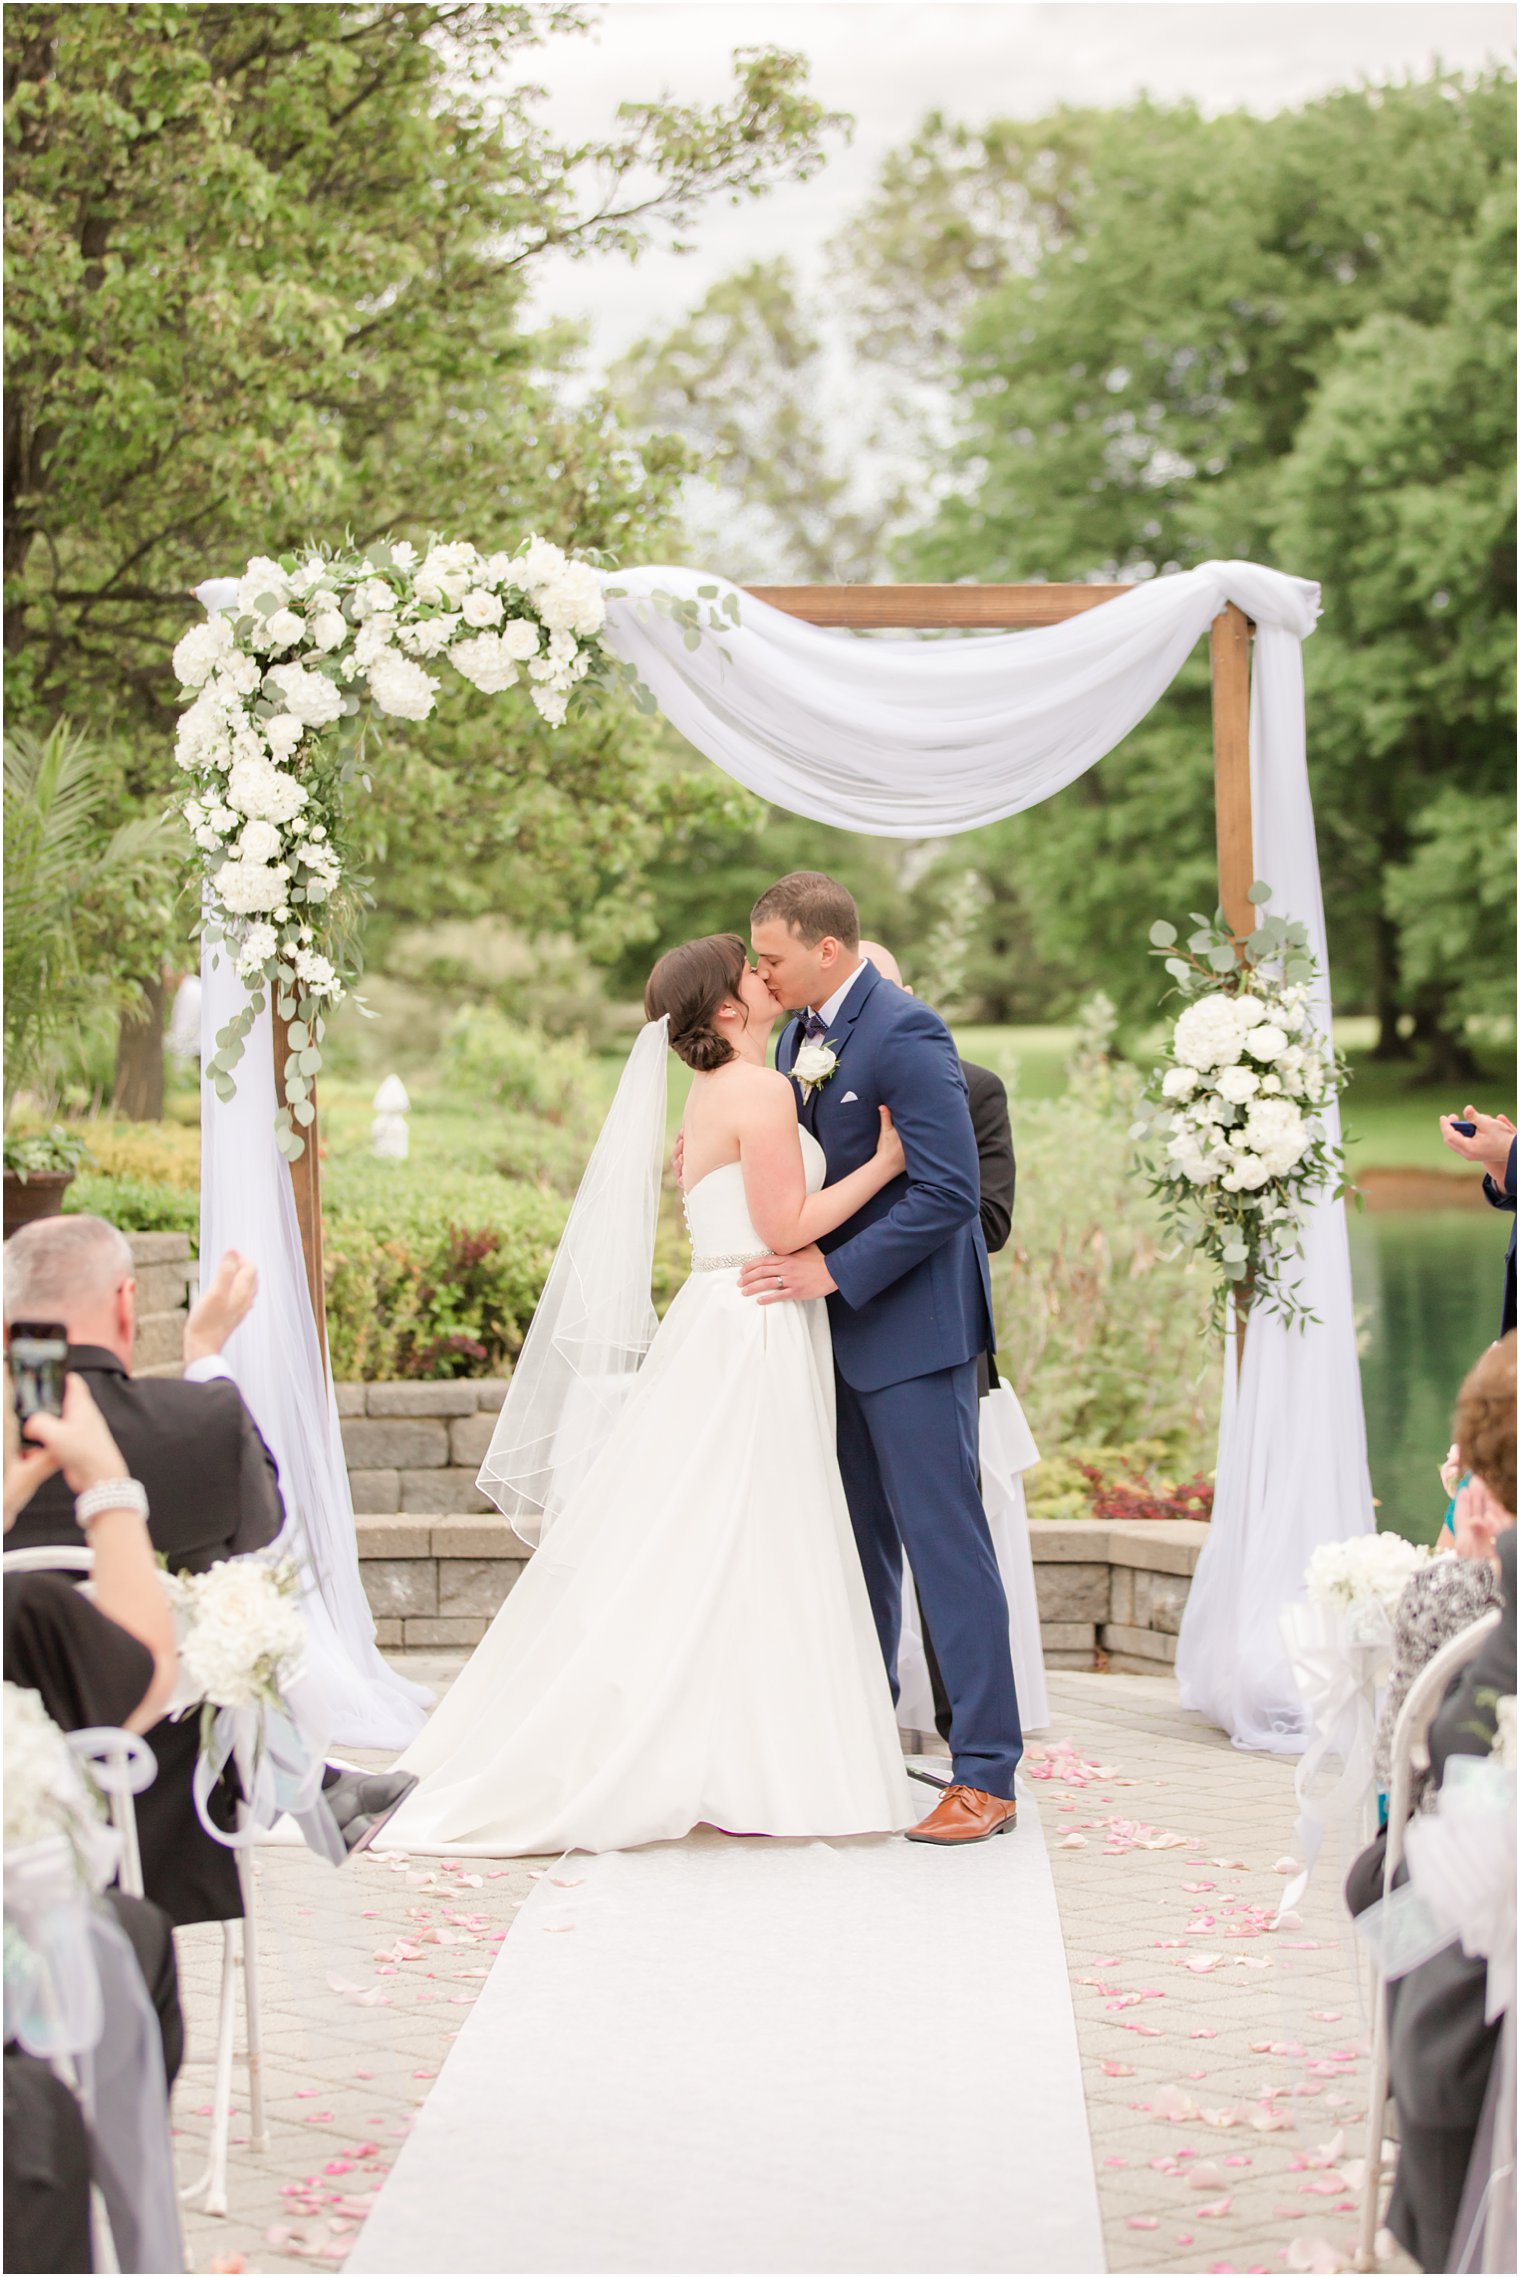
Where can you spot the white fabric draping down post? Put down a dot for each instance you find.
(247, 1203)
(921, 739)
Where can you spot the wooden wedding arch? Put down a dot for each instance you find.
(938, 608)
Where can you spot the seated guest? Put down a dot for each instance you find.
(1440, 2048)
(1492, 1148)
(212, 1491)
(108, 1662)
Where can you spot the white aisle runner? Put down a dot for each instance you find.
(762, 2056)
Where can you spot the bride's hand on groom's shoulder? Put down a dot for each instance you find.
(787, 1280)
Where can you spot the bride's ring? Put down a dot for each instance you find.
(780, 1281)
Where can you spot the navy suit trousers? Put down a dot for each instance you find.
(909, 1458)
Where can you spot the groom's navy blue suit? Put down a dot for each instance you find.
(911, 1313)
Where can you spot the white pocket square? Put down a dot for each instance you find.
(849, 1095)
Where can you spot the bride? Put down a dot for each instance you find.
(692, 1641)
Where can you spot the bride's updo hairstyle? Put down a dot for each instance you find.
(688, 984)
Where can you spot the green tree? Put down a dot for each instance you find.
(267, 274)
(1287, 338)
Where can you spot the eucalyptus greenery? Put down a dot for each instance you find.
(1232, 1124)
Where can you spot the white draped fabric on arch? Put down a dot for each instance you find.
(925, 739)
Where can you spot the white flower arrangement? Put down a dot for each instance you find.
(1234, 1116)
(1365, 1575)
(46, 1791)
(275, 677)
(1505, 1750)
(813, 1066)
(242, 1635)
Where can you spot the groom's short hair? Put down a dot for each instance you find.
(812, 906)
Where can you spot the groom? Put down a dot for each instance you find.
(910, 1307)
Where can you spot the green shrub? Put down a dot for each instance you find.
(138, 1205)
(487, 1056)
(1102, 1319)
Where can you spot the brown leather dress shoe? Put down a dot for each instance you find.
(965, 1814)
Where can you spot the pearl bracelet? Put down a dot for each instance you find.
(110, 1494)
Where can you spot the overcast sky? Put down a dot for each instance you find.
(888, 64)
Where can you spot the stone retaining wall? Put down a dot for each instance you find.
(1108, 1595)
(165, 1271)
(416, 1448)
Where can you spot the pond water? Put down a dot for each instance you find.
(1429, 1284)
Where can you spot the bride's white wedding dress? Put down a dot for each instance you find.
(693, 1641)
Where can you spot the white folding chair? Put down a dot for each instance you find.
(1409, 1758)
(240, 1950)
(71, 1557)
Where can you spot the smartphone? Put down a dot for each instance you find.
(1468, 1130)
(39, 1350)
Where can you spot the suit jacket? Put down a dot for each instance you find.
(912, 1291)
(213, 1492)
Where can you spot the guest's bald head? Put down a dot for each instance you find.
(77, 1270)
(884, 961)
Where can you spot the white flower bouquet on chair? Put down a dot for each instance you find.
(1234, 1109)
(1340, 1648)
(242, 1645)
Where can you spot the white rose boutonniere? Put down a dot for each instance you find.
(813, 1066)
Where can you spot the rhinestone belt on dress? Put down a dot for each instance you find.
(723, 1264)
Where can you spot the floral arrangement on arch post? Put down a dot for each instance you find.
(273, 737)
(1236, 1106)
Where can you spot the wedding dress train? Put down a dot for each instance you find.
(693, 1641)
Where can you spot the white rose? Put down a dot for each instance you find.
(520, 639)
(247, 888)
(481, 608)
(259, 842)
(538, 564)
(1250, 1171)
(1251, 1010)
(309, 695)
(329, 630)
(282, 734)
(1237, 1084)
(1179, 1083)
(283, 629)
(201, 650)
(485, 662)
(263, 793)
(400, 688)
(1266, 1041)
(1271, 1083)
(814, 1063)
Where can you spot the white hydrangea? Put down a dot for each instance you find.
(1208, 1033)
(1237, 1084)
(259, 944)
(201, 650)
(310, 572)
(248, 888)
(316, 972)
(1371, 1570)
(243, 1634)
(404, 554)
(239, 676)
(1179, 1082)
(401, 689)
(373, 598)
(1503, 1750)
(1247, 1171)
(538, 564)
(1277, 1131)
(263, 792)
(429, 636)
(482, 608)
(572, 600)
(375, 638)
(203, 737)
(1266, 1041)
(45, 1789)
(552, 703)
(486, 662)
(261, 577)
(446, 574)
(309, 695)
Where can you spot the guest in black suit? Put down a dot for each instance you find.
(108, 1662)
(1492, 1149)
(213, 1492)
(994, 1151)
